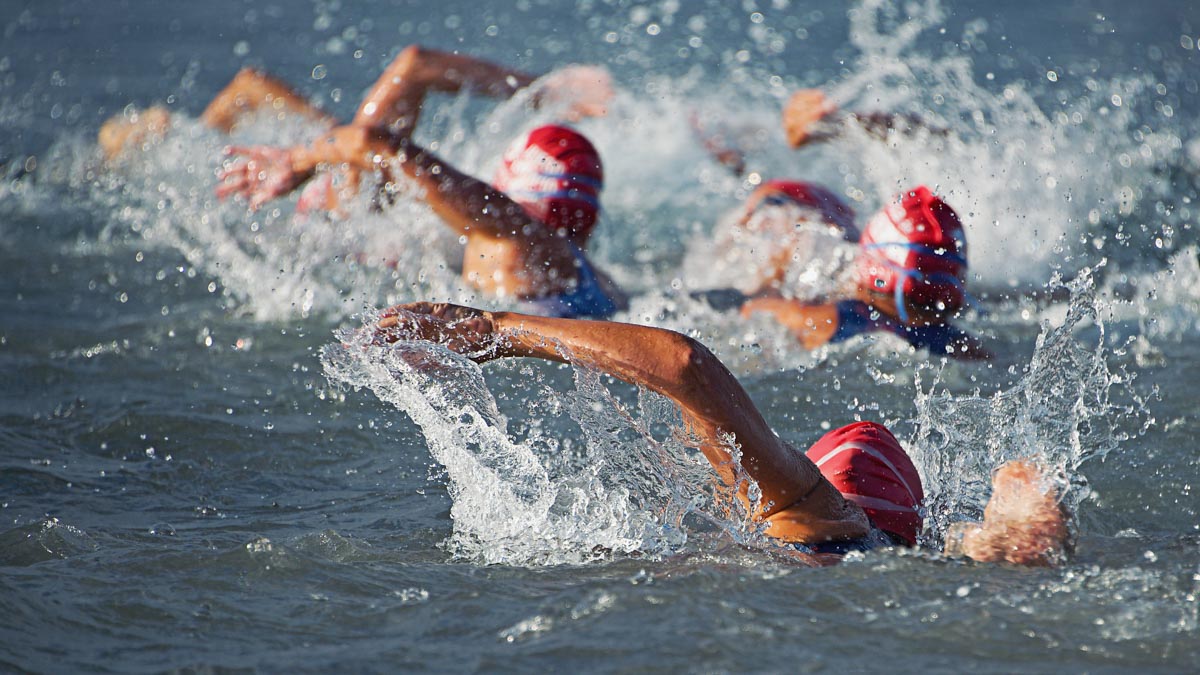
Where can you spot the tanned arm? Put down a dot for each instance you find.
(467, 205)
(394, 102)
(798, 504)
(813, 325)
(809, 116)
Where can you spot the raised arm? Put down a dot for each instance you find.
(395, 101)
(809, 116)
(797, 502)
(386, 119)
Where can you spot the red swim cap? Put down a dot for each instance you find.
(833, 210)
(555, 174)
(915, 248)
(865, 462)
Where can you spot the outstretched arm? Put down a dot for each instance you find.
(467, 205)
(810, 116)
(798, 504)
(252, 90)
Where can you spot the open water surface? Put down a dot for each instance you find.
(195, 473)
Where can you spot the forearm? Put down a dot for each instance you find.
(813, 325)
(397, 95)
(712, 401)
(651, 357)
(466, 204)
(359, 148)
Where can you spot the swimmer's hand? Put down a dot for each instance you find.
(259, 173)
(1024, 522)
(804, 110)
(464, 330)
(584, 91)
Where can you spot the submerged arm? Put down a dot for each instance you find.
(813, 325)
(1024, 522)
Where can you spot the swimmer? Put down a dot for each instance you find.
(903, 275)
(394, 101)
(906, 277)
(249, 93)
(526, 232)
(855, 488)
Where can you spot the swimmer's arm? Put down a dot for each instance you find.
(467, 205)
(395, 101)
(396, 97)
(797, 504)
(251, 90)
(809, 116)
(813, 325)
(261, 173)
(714, 404)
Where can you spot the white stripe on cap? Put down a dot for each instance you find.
(853, 445)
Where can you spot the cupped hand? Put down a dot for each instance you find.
(585, 91)
(259, 173)
(803, 111)
(464, 330)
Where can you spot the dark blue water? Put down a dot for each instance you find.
(194, 476)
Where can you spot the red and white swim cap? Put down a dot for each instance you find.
(865, 462)
(832, 209)
(915, 248)
(555, 174)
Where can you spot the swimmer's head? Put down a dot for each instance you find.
(822, 203)
(867, 465)
(555, 174)
(913, 259)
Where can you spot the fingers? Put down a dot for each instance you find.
(461, 329)
(234, 181)
(804, 109)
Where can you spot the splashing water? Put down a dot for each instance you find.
(1069, 407)
(543, 499)
(1029, 184)
(1080, 165)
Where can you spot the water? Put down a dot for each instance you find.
(195, 473)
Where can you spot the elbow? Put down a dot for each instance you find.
(690, 365)
(409, 56)
(410, 63)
